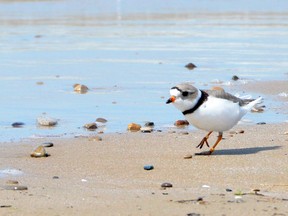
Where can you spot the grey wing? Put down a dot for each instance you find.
(225, 95)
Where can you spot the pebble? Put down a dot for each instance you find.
(184, 133)
(14, 187)
(46, 121)
(39, 152)
(148, 167)
(12, 182)
(166, 185)
(146, 129)
(235, 78)
(55, 177)
(40, 83)
(240, 131)
(81, 89)
(181, 123)
(91, 126)
(187, 156)
(17, 124)
(190, 66)
(101, 120)
(257, 109)
(217, 88)
(95, 138)
(149, 124)
(228, 190)
(47, 144)
(134, 127)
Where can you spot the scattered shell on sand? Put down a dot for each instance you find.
(181, 123)
(166, 185)
(17, 124)
(146, 129)
(101, 120)
(12, 182)
(257, 109)
(91, 126)
(47, 144)
(39, 152)
(187, 156)
(190, 66)
(15, 187)
(46, 121)
(134, 127)
(81, 89)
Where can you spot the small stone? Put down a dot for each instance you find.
(146, 129)
(95, 138)
(184, 133)
(101, 120)
(81, 89)
(256, 191)
(39, 152)
(17, 124)
(14, 187)
(40, 83)
(149, 124)
(228, 190)
(12, 182)
(235, 78)
(181, 123)
(261, 123)
(187, 156)
(134, 127)
(166, 185)
(91, 126)
(55, 177)
(240, 131)
(148, 167)
(46, 121)
(190, 66)
(47, 144)
(217, 88)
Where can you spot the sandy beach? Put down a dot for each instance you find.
(88, 177)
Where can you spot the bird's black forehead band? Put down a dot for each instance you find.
(175, 87)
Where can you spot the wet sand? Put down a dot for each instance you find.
(107, 177)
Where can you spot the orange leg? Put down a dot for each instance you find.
(204, 140)
(213, 147)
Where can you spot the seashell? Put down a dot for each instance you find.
(39, 152)
(81, 89)
(134, 127)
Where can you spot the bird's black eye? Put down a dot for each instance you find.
(185, 93)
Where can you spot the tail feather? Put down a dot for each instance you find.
(250, 105)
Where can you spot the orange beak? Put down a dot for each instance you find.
(171, 100)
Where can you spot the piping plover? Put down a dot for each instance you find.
(210, 110)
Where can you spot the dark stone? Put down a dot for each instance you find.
(235, 78)
(166, 185)
(181, 123)
(17, 124)
(149, 124)
(148, 167)
(228, 190)
(261, 123)
(55, 177)
(193, 214)
(190, 66)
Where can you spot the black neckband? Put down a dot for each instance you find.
(201, 100)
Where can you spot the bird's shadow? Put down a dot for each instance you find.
(244, 151)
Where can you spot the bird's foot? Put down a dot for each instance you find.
(203, 141)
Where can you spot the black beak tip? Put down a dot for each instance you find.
(168, 101)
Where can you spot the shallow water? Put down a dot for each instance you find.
(129, 53)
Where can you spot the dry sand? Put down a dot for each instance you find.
(107, 177)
